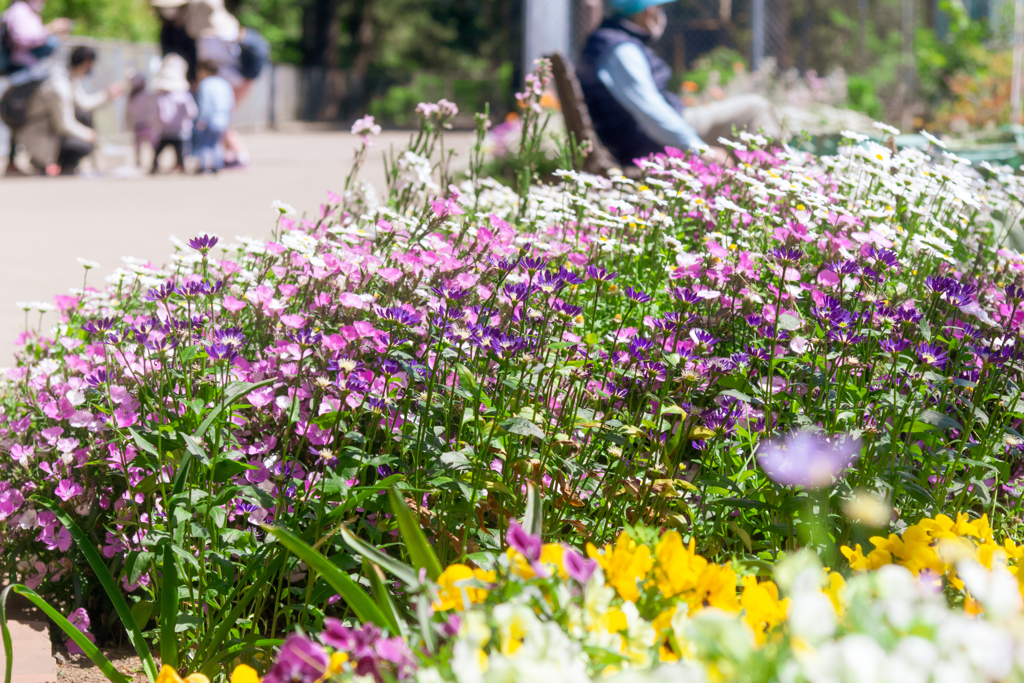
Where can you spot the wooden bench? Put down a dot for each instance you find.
(578, 122)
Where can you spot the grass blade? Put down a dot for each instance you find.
(169, 609)
(90, 650)
(113, 590)
(380, 592)
(416, 543)
(213, 641)
(361, 603)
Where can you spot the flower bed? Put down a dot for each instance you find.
(787, 353)
(656, 611)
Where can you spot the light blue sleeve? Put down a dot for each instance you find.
(627, 74)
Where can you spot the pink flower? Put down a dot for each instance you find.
(350, 300)
(68, 489)
(295, 321)
(124, 417)
(390, 275)
(55, 539)
(10, 501)
(80, 620)
(234, 305)
(261, 397)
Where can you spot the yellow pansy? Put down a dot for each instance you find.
(678, 566)
(716, 587)
(244, 673)
(169, 675)
(763, 610)
(624, 564)
(454, 589)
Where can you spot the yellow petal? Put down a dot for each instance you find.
(168, 675)
(244, 673)
(196, 678)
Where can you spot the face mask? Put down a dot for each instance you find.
(657, 24)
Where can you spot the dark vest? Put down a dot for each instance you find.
(616, 127)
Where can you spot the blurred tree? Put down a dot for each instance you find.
(120, 19)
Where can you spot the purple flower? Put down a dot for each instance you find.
(97, 378)
(397, 314)
(300, 661)
(160, 293)
(807, 459)
(595, 273)
(526, 545)
(882, 258)
(843, 267)
(221, 352)
(231, 336)
(894, 346)
(636, 295)
(845, 337)
(577, 566)
(932, 354)
(203, 243)
(101, 325)
(786, 255)
(533, 264)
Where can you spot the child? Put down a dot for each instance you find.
(176, 109)
(216, 105)
(142, 116)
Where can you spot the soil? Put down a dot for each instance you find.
(80, 669)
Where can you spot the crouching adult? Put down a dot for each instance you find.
(57, 134)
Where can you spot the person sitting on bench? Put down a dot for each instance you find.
(625, 85)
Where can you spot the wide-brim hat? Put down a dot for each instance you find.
(173, 74)
(631, 7)
(167, 4)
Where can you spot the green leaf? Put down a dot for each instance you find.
(533, 520)
(196, 449)
(142, 611)
(402, 571)
(169, 609)
(90, 650)
(224, 470)
(383, 596)
(232, 392)
(420, 552)
(111, 586)
(937, 419)
(361, 603)
(523, 427)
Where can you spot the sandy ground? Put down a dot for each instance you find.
(45, 223)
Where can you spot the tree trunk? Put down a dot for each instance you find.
(779, 30)
(357, 96)
(320, 34)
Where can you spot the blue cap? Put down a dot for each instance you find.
(631, 7)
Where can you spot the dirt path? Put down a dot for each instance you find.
(45, 224)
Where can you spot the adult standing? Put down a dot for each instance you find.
(204, 30)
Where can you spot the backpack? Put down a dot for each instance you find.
(255, 54)
(15, 101)
(5, 50)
